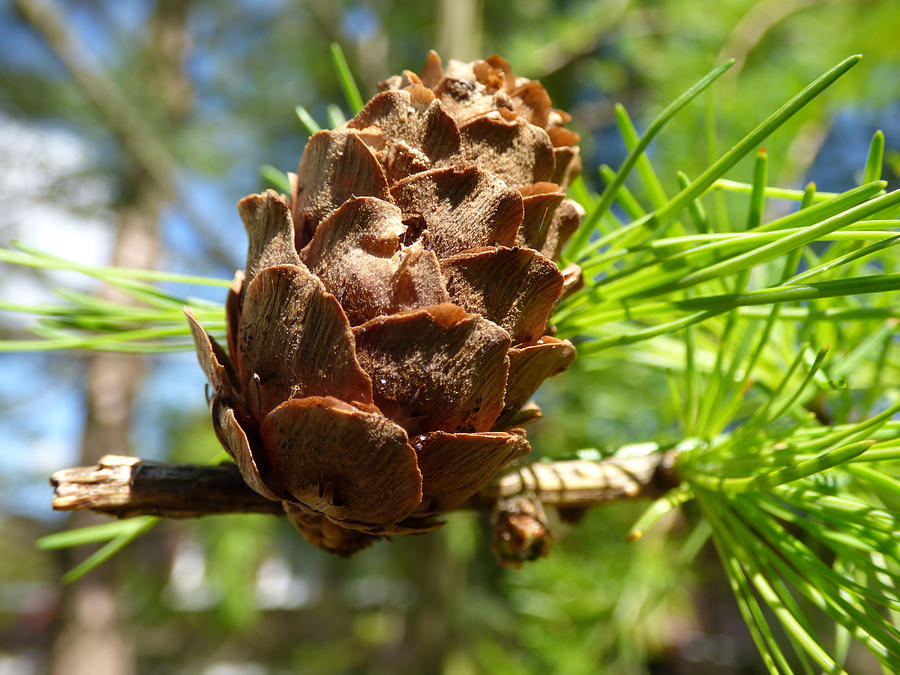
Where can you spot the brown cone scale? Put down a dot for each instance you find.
(390, 324)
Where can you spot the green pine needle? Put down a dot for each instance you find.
(345, 78)
(609, 194)
(152, 323)
(658, 509)
(117, 535)
(336, 116)
(309, 123)
(276, 178)
(785, 474)
(875, 158)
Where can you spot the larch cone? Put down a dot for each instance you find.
(390, 323)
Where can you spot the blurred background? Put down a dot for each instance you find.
(129, 130)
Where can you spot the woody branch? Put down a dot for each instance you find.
(127, 486)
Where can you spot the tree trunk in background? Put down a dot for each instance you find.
(459, 29)
(90, 640)
(430, 635)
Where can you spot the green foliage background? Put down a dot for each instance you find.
(439, 603)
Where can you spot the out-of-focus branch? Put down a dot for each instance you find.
(121, 117)
(138, 138)
(551, 57)
(128, 486)
(753, 26)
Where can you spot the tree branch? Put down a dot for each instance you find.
(127, 486)
(138, 138)
(133, 132)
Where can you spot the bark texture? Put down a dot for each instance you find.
(127, 486)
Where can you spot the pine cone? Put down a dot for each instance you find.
(389, 325)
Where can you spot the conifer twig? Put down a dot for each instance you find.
(127, 486)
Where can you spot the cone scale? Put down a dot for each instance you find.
(390, 322)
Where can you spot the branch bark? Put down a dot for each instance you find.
(127, 486)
